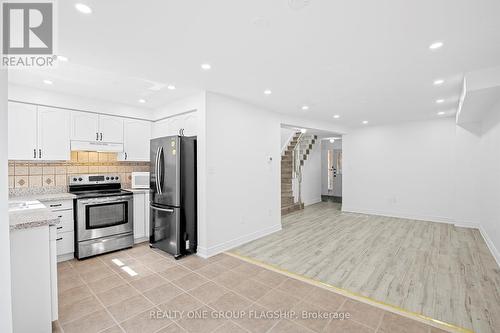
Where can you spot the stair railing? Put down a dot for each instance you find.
(297, 166)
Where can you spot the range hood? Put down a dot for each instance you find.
(97, 146)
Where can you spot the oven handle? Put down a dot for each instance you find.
(112, 199)
(162, 209)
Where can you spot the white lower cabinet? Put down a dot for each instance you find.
(141, 215)
(31, 280)
(65, 238)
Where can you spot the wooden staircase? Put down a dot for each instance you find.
(288, 204)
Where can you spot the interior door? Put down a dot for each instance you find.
(22, 131)
(84, 126)
(110, 129)
(53, 134)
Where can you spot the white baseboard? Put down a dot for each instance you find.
(429, 218)
(494, 251)
(205, 252)
(312, 202)
(465, 224)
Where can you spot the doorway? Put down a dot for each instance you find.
(331, 159)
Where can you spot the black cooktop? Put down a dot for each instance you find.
(99, 193)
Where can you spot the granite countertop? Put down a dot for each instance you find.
(32, 218)
(44, 197)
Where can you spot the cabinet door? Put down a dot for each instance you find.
(190, 124)
(111, 129)
(53, 134)
(84, 126)
(136, 137)
(139, 215)
(22, 131)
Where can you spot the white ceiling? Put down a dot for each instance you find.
(363, 60)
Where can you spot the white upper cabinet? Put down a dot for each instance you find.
(53, 134)
(84, 126)
(38, 133)
(110, 129)
(22, 131)
(186, 124)
(137, 134)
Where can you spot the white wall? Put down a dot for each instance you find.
(45, 97)
(5, 287)
(490, 180)
(403, 170)
(243, 186)
(286, 135)
(191, 103)
(311, 176)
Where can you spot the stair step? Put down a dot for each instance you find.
(291, 208)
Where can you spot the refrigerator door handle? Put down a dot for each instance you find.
(162, 209)
(160, 169)
(157, 170)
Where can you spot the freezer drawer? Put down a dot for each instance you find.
(166, 229)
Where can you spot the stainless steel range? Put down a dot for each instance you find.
(103, 214)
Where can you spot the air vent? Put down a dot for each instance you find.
(298, 4)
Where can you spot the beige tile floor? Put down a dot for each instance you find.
(117, 292)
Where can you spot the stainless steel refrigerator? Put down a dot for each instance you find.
(173, 205)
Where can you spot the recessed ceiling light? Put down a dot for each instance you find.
(206, 67)
(438, 82)
(62, 58)
(336, 116)
(436, 45)
(441, 113)
(171, 87)
(303, 130)
(305, 107)
(439, 101)
(332, 140)
(267, 92)
(47, 82)
(365, 122)
(142, 101)
(83, 8)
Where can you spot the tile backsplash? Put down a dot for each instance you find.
(30, 174)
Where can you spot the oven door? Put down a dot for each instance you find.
(102, 217)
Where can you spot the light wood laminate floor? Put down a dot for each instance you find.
(434, 269)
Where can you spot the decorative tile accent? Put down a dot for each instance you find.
(50, 174)
(21, 181)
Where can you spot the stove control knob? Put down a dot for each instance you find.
(80, 179)
(116, 178)
(107, 178)
(112, 178)
(74, 179)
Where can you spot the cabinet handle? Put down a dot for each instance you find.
(96, 136)
(59, 228)
(58, 239)
(56, 205)
(101, 136)
(39, 153)
(125, 156)
(34, 153)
